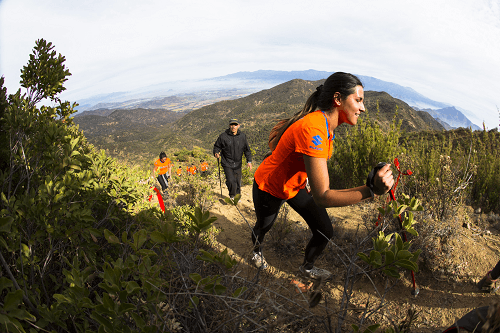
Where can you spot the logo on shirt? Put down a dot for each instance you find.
(316, 140)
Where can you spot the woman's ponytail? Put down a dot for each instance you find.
(280, 128)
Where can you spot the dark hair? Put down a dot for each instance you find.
(162, 155)
(342, 84)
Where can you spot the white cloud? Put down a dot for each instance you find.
(448, 51)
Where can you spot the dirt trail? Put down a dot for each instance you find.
(443, 297)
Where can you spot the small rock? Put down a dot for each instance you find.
(478, 211)
(466, 225)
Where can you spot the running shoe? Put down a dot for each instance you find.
(259, 261)
(316, 273)
(486, 284)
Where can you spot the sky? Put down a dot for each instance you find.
(447, 50)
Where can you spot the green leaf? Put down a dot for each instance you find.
(5, 283)
(138, 320)
(389, 257)
(4, 320)
(364, 257)
(124, 237)
(62, 298)
(158, 237)
(372, 328)
(6, 223)
(391, 271)
(195, 301)
(399, 242)
(110, 237)
(22, 315)
(4, 244)
(375, 258)
(140, 238)
(415, 255)
(219, 289)
(132, 287)
(412, 231)
(146, 253)
(125, 307)
(239, 291)
(108, 302)
(403, 254)
(195, 277)
(12, 300)
(102, 320)
(408, 265)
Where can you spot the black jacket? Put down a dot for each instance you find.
(231, 148)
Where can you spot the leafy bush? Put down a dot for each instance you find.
(363, 147)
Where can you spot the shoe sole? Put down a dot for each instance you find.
(304, 274)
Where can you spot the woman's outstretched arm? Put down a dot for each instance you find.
(319, 180)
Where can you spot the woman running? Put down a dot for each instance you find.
(300, 149)
(162, 167)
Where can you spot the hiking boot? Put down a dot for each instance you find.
(316, 273)
(486, 284)
(259, 261)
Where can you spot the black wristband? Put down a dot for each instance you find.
(371, 176)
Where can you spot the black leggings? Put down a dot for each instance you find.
(267, 207)
(163, 181)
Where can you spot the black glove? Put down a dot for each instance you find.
(371, 176)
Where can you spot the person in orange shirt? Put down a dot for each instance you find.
(192, 169)
(162, 167)
(204, 168)
(301, 147)
(179, 171)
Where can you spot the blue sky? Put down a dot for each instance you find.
(446, 50)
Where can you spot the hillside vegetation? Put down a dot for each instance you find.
(257, 112)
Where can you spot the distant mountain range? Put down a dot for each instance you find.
(451, 118)
(190, 95)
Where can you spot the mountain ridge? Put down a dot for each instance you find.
(198, 93)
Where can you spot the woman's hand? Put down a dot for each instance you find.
(383, 180)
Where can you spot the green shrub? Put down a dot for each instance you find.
(363, 147)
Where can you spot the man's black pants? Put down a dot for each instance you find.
(233, 180)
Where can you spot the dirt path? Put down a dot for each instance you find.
(447, 290)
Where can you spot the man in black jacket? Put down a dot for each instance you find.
(231, 145)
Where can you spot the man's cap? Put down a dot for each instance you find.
(234, 121)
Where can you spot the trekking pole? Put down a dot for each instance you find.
(220, 180)
(415, 290)
(400, 219)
